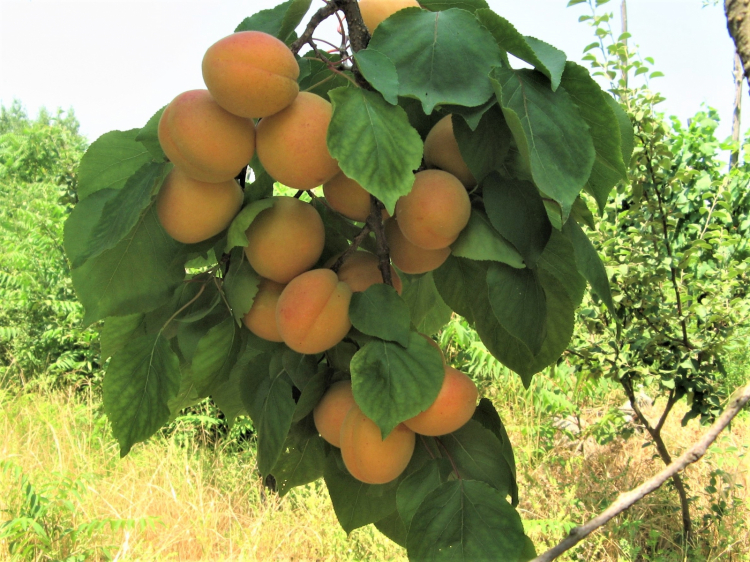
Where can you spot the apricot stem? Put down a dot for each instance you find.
(188, 303)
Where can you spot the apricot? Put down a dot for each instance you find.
(251, 74)
(375, 11)
(330, 412)
(292, 144)
(408, 257)
(205, 140)
(441, 151)
(192, 211)
(261, 318)
(369, 457)
(347, 197)
(285, 239)
(361, 269)
(453, 407)
(313, 311)
(435, 211)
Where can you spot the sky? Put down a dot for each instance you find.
(116, 62)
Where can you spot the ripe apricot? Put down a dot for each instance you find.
(330, 412)
(375, 11)
(347, 197)
(441, 151)
(408, 257)
(313, 311)
(205, 140)
(453, 407)
(292, 144)
(192, 211)
(285, 239)
(369, 457)
(261, 318)
(361, 269)
(251, 74)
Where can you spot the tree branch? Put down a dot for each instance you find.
(324, 13)
(375, 221)
(738, 24)
(628, 499)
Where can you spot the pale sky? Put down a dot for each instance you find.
(117, 61)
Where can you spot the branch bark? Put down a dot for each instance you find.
(628, 499)
(738, 24)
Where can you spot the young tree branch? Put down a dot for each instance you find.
(628, 499)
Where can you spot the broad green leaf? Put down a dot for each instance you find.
(240, 285)
(627, 134)
(414, 488)
(148, 136)
(279, 21)
(486, 415)
(380, 72)
(303, 459)
(516, 210)
(480, 241)
(484, 148)
(392, 384)
(118, 331)
(465, 520)
(549, 131)
(472, 115)
(187, 396)
(559, 260)
(317, 78)
(590, 264)
(374, 143)
(122, 211)
(393, 528)
(214, 357)
(440, 5)
(428, 311)
(300, 368)
(140, 381)
(137, 275)
(262, 186)
(441, 58)
(545, 58)
(595, 109)
(380, 312)
(582, 214)
(190, 333)
(81, 222)
(236, 236)
(110, 161)
(199, 298)
(311, 395)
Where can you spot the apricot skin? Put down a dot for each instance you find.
(251, 74)
(206, 141)
(285, 239)
(330, 412)
(441, 151)
(313, 311)
(375, 11)
(453, 407)
(292, 144)
(261, 318)
(347, 197)
(367, 456)
(362, 269)
(408, 257)
(192, 211)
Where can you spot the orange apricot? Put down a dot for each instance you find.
(361, 269)
(441, 151)
(292, 144)
(313, 311)
(453, 407)
(375, 11)
(347, 197)
(205, 140)
(408, 257)
(261, 318)
(330, 412)
(251, 74)
(369, 457)
(285, 239)
(192, 211)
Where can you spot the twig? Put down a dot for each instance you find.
(358, 239)
(628, 499)
(324, 13)
(375, 222)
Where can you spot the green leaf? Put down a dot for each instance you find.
(392, 384)
(441, 58)
(486, 415)
(393, 528)
(428, 311)
(139, 383)
(559, 260)
(300, 368)
(485, 148)
(148, 136)
(472, 115)
(317, 78)
(480, 241)
(604, 127)
(137, 275)
(440, 5)
(279, 21)
(374, 143)
(110, 161)
(516, 209)
(582, 214)
(414, 488)
(118, 331)
(380, 72)
(549, 131)
(215, 356)
(302, 460)
(262, 186)
(311, 395)
(240, 285)
(465, 520)
(380, 312)
(590, 264)
(236, 236)
(627, 134)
